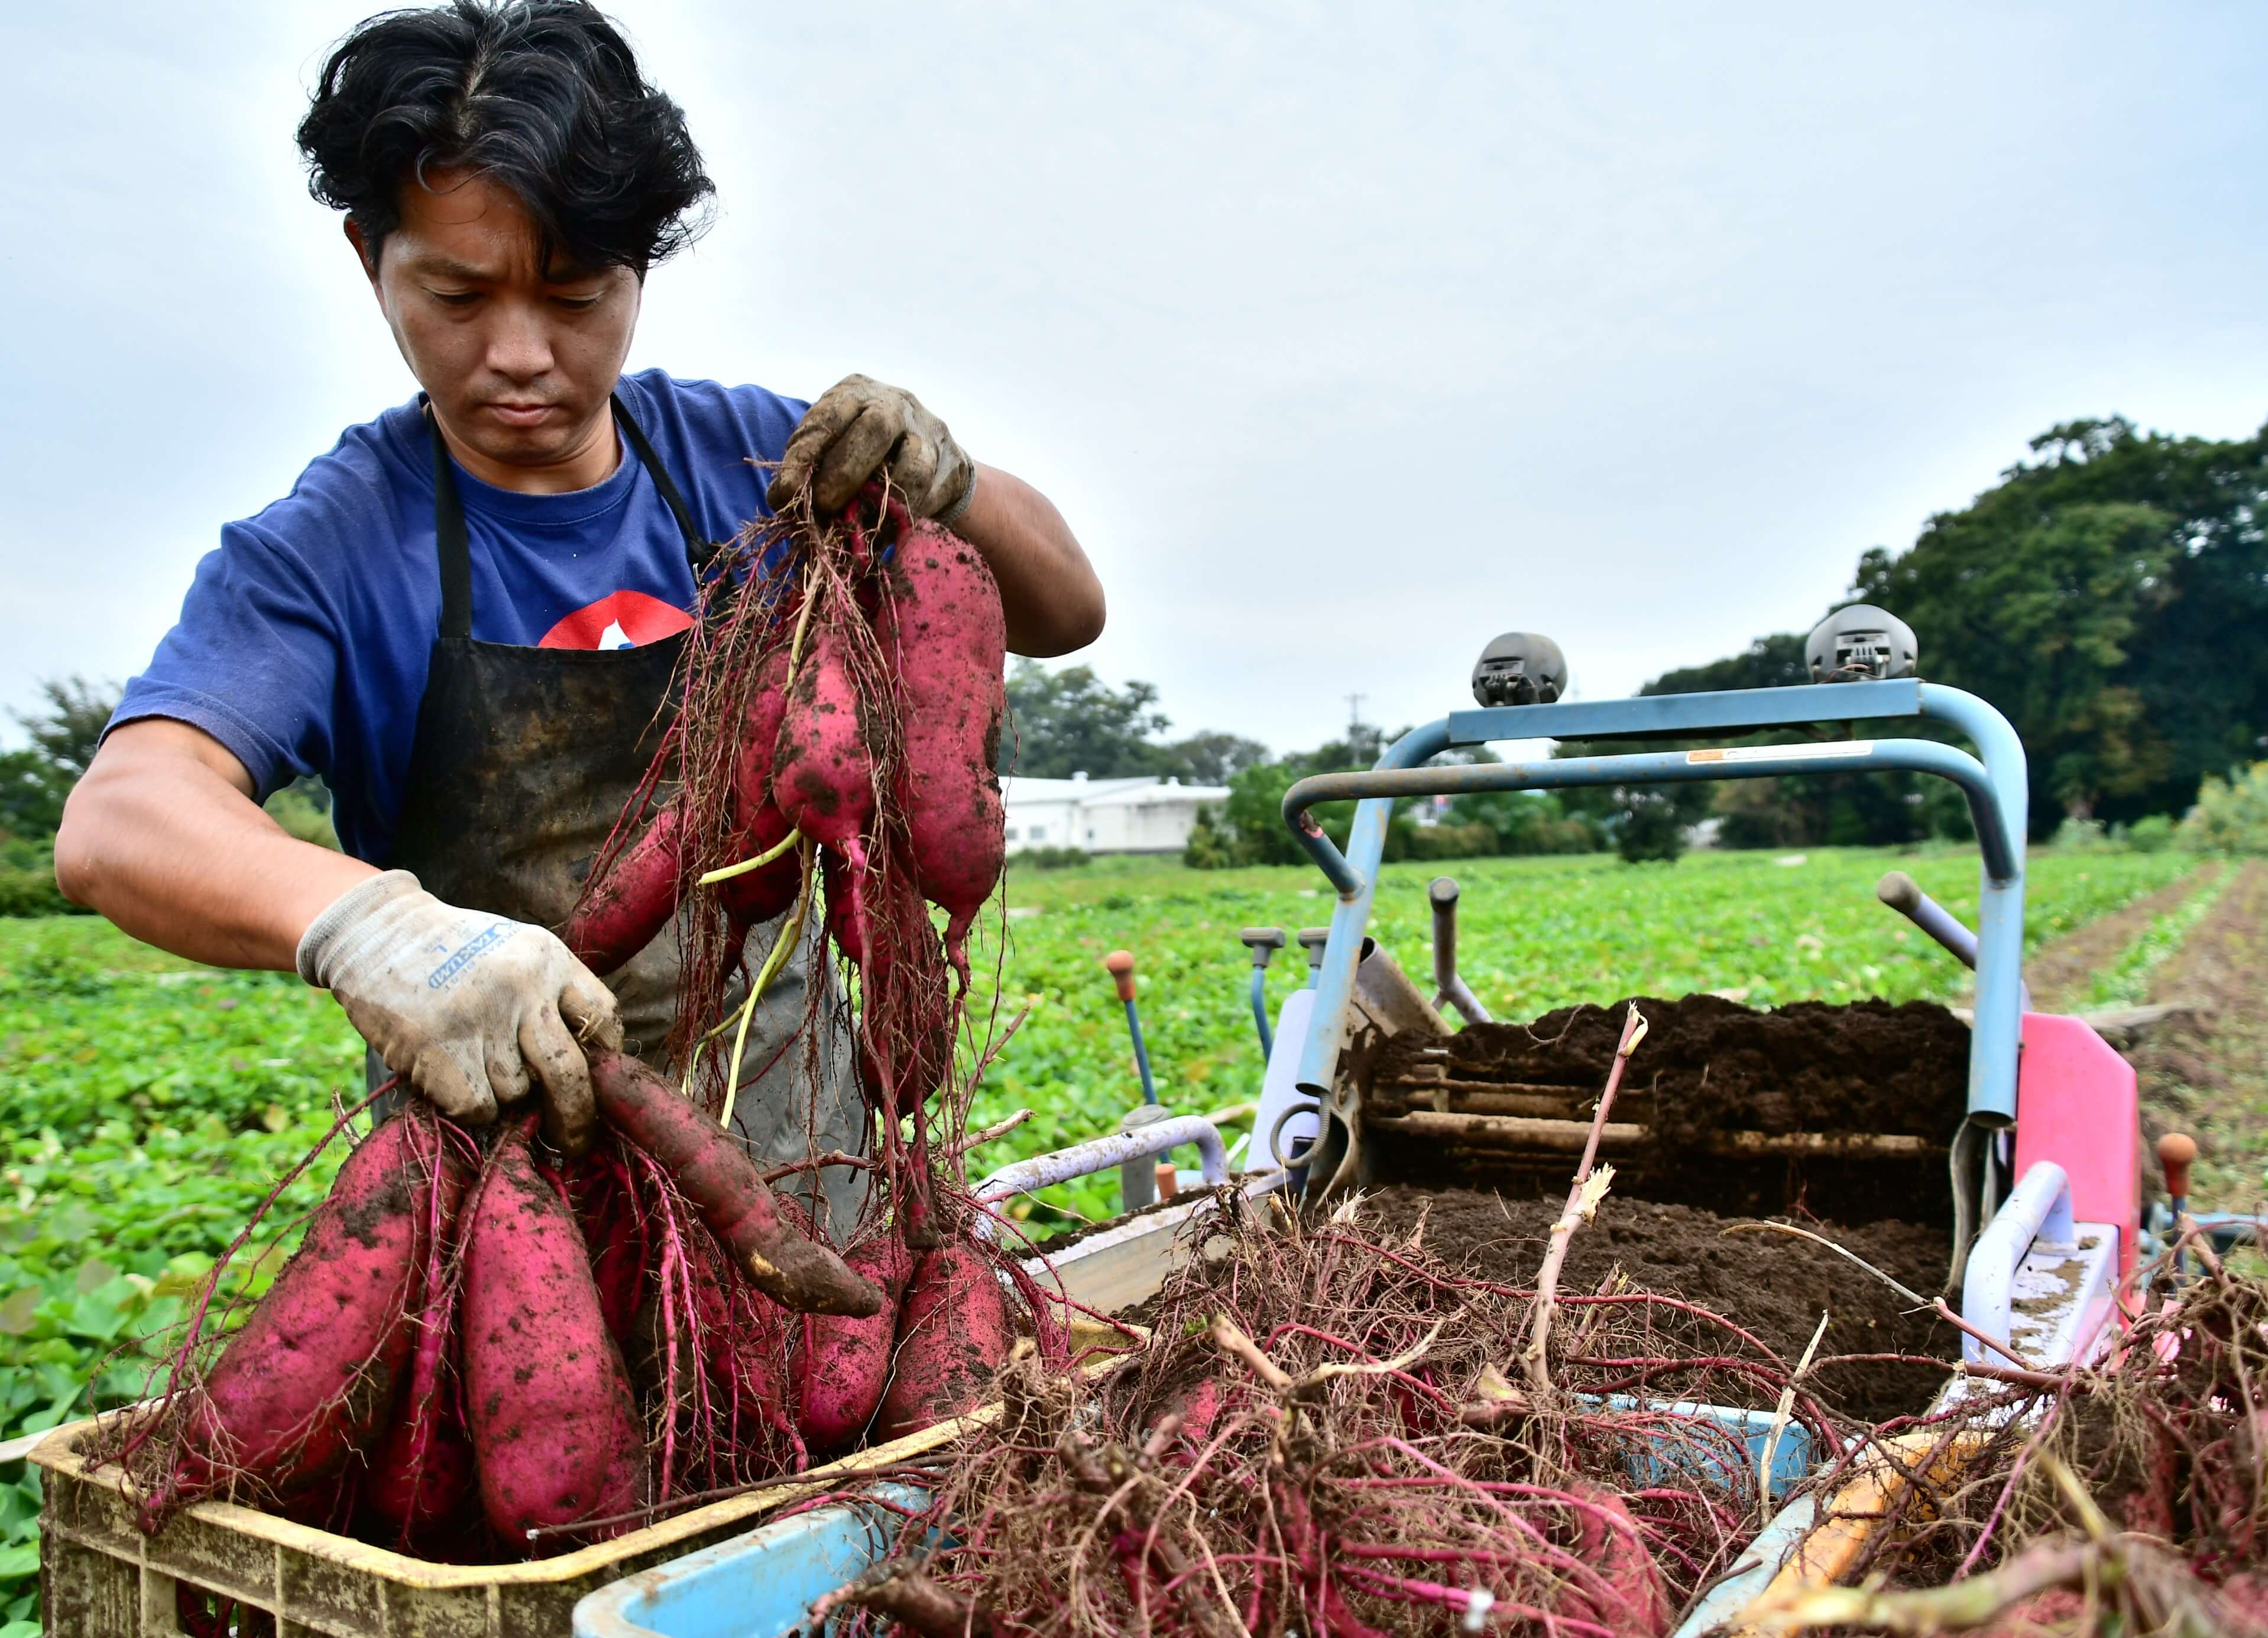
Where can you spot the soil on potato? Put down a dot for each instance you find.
(1774, 1286)
(1708, 1067)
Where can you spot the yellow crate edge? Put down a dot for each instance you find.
(57, 1454)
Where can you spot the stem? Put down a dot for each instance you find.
(791, 936)
(786, 843)
(1583, 1200)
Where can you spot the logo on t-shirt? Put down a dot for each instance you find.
(618, 620)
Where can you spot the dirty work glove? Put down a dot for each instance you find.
(861, 426)
(464, 1003)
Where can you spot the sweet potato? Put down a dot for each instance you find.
(555, 1426)
(599, 1191)
(843, 1365)
(953, 1332)
(823, 766)
(943, 626)
(758, 824)
(303, 1385)
(423, 1477)
(1625, 1593)
(716, 1176)
(620, 914)
(905, 1036)
(744, 1350)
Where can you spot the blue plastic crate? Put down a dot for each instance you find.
(760, 1585)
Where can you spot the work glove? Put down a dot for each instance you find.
(861, 426)
(465, 1004)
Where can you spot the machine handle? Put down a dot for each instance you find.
(1312, 940)
(2177, 1152)
(1120, 965)
(2038, 1207)
(1441, 894)
(1153, 1137)
(1902, 893)
(1263, 942)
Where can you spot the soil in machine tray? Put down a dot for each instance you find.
(1844, 1111)
(1832, 1116)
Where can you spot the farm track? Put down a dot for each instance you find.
(2061, 970)
(2207, 1072)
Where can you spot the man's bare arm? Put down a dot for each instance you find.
(162, 836)
(1048, 589)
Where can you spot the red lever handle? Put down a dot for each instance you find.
(2177, 1151)
(1120, 965)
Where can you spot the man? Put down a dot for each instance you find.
(465, 616)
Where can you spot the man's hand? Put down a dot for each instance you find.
(861, 426)
(464, 1004)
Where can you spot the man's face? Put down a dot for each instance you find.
(517, 358)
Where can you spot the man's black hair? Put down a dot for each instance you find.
(541, 96)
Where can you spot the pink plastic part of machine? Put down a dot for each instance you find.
(2075, 1105)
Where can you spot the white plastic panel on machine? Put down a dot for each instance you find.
(1279, 1090)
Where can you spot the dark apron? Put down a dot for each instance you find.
(523, 761)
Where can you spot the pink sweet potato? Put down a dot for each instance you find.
(423, 1477)
(304, 1385)
(555, 1426)
(905, 1036)
(745, 1351)
(758, 824)
(620, 914)
(953, 1332)
(716, 1175)
(1624, 1592)
(606, 1212)
(943, 625)
(823, 766)
(843, 1365)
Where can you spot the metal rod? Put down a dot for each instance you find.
(1101, 1154)
(2003, 858)
(1120, 965)
(1263, 942)
(1902, 893)
(1441, 894)
(1523, 1131)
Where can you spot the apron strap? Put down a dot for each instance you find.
(456, 549)
(698, 550)
(449, 532)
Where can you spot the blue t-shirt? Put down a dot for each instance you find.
(304, 642)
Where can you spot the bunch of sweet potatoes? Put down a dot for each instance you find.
(492, 1353)
(887, 701)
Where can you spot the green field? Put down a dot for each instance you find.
(153, 1103)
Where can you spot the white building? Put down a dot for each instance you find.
(1144, 815)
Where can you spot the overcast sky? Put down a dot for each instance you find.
(1345, 336)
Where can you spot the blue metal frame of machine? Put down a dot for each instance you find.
(1997, 789)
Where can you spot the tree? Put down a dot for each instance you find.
(1647, 827)
(67, 731)
(2038, 617)
(32, 792)
(1214, 757)
(1072, 721)
(2107, 595)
